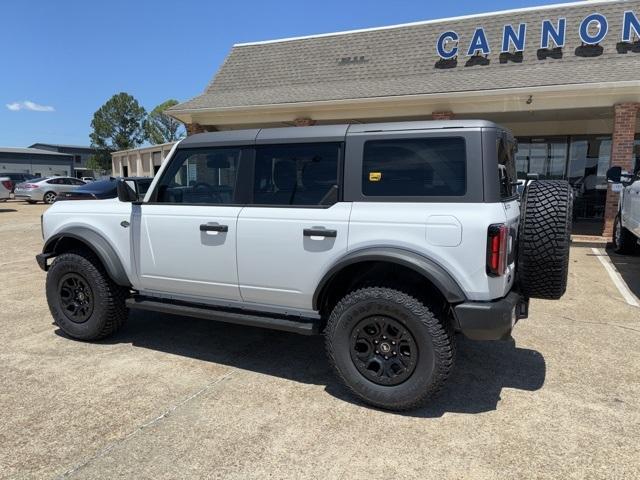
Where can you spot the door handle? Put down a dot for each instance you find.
(213, 227)
(319, 232)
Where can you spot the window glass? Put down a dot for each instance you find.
(506, 168)
(75, 181)
(546, 157)
(201, 176)
(55, 181)
(589, 160)
(298, 174)
(414, 167)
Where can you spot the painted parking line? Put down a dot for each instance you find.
(616, 278)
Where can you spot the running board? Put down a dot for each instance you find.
(304, 326)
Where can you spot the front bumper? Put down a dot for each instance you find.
(42, 258)
(491, 320)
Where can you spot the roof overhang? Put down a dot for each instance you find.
(522, 99)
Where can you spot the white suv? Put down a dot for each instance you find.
(626, 228)
(388, 238)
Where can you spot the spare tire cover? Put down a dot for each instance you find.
(544, 239)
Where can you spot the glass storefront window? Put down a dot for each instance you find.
(589, 159)
(636, 151)
(545, 156)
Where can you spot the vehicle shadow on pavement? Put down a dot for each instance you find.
(482, 369)
(629, 268)
(7, 210)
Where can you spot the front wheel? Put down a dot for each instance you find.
(84, 302)
(388, 348)
(623, 240)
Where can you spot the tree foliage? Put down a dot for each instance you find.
(161, 128)
(118, 125)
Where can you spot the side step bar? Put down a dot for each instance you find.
(304, 326)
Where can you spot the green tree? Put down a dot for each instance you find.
(117, 125)
(161, 128)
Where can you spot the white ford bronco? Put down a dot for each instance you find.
(626, 227)
(387, 238)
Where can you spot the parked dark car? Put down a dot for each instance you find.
(18, 178)
(103, 189)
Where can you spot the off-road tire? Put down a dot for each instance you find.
(49, 198)
(108, 312)
(624, 242)
(434, 340)
(545, 237)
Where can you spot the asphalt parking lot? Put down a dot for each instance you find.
(172, 397)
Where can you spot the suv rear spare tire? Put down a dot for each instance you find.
(545, 236)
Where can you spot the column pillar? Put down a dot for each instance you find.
(624, 129)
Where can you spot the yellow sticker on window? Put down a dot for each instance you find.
(375, 176)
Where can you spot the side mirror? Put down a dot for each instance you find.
(614, 174)
(127, 191)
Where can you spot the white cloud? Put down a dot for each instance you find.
(29, 105)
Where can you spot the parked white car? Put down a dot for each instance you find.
(5, 188)
(46, 189)
(626, 228)
(387, 238)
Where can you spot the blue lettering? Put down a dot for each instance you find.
(441, 45)
(479, 43)
(509, 37)
(557, 34)
(630, 22)
(603, 27)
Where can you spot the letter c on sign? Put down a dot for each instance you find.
(603, 27)
(441, 45)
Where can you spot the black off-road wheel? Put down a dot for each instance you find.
(84, 302)
(388, 348)
(624, 242)
(545, 238)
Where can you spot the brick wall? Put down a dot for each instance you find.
(304, 122)
(624, 128)
(442, 115)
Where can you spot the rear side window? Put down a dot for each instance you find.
(507, 168)
(296, 174)
(424, 167)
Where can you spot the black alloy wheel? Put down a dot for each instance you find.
(383, 350)
(76, 297)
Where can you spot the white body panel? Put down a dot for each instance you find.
(631, 207)
(452, 235)
(102, 216)
(175, 257)
(4, 192)
(277, 265)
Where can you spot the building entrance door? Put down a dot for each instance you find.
(546, 156)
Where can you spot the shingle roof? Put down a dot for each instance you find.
(400, 61)
(31, 151)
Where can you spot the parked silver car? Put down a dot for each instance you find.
(46, 189)
(5, 188)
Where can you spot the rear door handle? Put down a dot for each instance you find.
(320, 232)
(213, 227)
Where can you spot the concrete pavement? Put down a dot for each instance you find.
(172, 397)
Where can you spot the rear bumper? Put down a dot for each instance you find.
(491, 320)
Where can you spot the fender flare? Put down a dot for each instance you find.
(426, 267)
(98, 245)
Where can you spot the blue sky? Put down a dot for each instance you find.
(69, 57)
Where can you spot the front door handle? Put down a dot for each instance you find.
(319, 232)
(213, 227)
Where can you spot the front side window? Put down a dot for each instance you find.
(201, 176)
(424, 167)
(296, 174)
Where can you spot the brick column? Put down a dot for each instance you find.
(304, 122)
(442, 115)
(624, 128)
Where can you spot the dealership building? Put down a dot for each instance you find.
(564, 78)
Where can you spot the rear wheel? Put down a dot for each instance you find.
(49, 197)
(388, 348)
(623, 240)
(545, 237)
(84, 302)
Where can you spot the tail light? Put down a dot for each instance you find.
(8, 184)
(497, 249)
